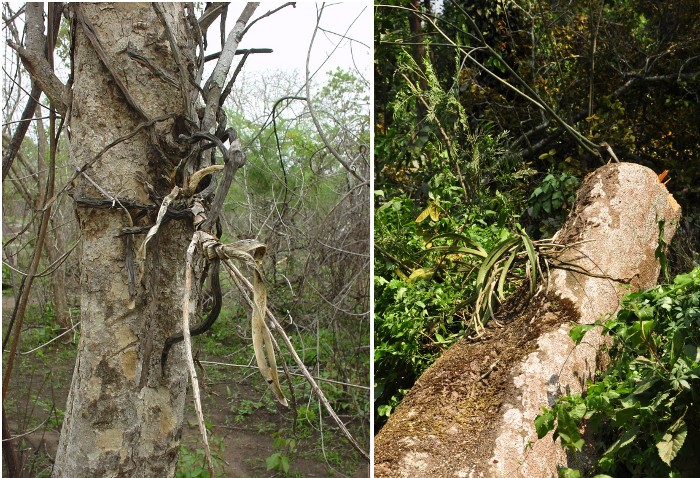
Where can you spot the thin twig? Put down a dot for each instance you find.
(53, 339)
(312, 111)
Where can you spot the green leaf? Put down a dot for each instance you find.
(567, 430)
(578, 411)
(645, 385)
(421, 274)
(579, 331)
(547, 206)
(676, 345)
(693, 352)
(504, 274)
(532, 256)
(569, 473)
(492, 258)
(628, 437)
(544, 423)
(672, 442)
(273, 461)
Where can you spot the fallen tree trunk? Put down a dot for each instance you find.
(471, 414)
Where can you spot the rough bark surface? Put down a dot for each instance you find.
(471, 414)
(122, 417)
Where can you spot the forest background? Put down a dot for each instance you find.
(487, 117)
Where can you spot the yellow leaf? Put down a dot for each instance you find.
(431, 211)
(434, 213)
(421, 273)
(423, 215)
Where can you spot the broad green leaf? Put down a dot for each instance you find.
(569, 473)
(578, 411)
(629, 411)
(628, 437)
(568, 431)
(544, 423)
(676, 345)
(645, 385)
(421, 274)
(693, 352)
(273, 461)
(671, 443)
(547, 206)
(579, 331)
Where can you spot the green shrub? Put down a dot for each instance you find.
(551, 200)
(645, 406)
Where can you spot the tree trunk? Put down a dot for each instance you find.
(123, 418)
(472, 412)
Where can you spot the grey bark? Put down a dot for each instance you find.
(475, 417)
(123, 418)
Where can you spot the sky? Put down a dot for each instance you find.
(289, 31)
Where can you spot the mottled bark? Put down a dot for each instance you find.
(123, 418)
(471, 414)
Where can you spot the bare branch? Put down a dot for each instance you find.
(312, 112)
(18, 136)
(38, 67)
(211, 14)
